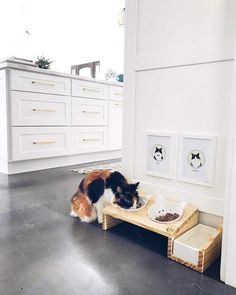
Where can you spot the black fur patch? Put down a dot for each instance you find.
(81, 186)
(96, 190)
(114, 180)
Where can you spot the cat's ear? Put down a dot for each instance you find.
(134, 186)
(198, 155)
(119, 190)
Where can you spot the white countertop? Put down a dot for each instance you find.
(18, 66)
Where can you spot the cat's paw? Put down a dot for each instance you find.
(73, 214)
(100, 220)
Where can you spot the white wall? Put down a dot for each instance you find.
(178, 71)
(179, 58)
(185, 100)
(67, 31)
(228, 265)
(230, 237)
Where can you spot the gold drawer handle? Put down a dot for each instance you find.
(90, 139)
(42, 83)
(117, 93)
(44, 110)
(118, 104)
(88, 112)
(91, 90)
(44, 142)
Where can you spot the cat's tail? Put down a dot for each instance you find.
(82, 207)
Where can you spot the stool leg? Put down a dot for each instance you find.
(109, 221)
(170, 248)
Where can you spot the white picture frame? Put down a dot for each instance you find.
(197, 156)
(161, 154)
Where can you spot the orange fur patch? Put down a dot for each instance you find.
(81, 205)
(104, 174)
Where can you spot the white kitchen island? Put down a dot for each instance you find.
(50, 119)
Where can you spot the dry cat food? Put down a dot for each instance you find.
(167, 217)
(139, 205)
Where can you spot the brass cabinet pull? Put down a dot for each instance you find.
(90, 89)
(90, 112)
(44, 110)
(90, 139)
(118, 93)
(44, 142)
(43, 83)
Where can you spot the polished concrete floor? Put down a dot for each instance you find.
(44, 251)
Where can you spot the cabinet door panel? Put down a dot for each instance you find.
(37, 82)
(89, 139)
(86, 111)
(116, 93)
(89, 89)
(29, 108)
(115, 124)
(39, 142)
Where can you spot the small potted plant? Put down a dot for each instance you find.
(43, 63)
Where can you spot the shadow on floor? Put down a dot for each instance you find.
(156, 243)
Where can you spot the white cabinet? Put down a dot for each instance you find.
(116, 93)
(86, 111)
(39, 142)
(89, 89)
(35, 82)
(29, 108)
(53, 119)
(89, 139)
(115, 124)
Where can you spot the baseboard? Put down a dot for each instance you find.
(47, 163)
(205, 203)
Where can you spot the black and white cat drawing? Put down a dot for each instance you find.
(158, 154)
(195, 160)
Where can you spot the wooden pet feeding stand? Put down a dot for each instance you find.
(113, 216)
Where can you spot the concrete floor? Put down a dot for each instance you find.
(44, 251)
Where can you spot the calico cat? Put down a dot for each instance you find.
(100, 188)
(196, 161)
(158, 154)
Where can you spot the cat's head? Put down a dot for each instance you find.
(127, 196)
(158, 150)
(195, 156)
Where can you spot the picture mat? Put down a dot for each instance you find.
(205, 174)
(164, 167)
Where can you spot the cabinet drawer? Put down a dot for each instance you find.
(87, 111)
(89, 139)
(116, 93)
(34, 82)
(89, 89)
(39, 109)
(115, 125)
(39, 142)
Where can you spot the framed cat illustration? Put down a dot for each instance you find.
(160, 154)
(197, 159)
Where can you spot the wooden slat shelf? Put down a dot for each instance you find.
(207, 254)
(113, 216)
